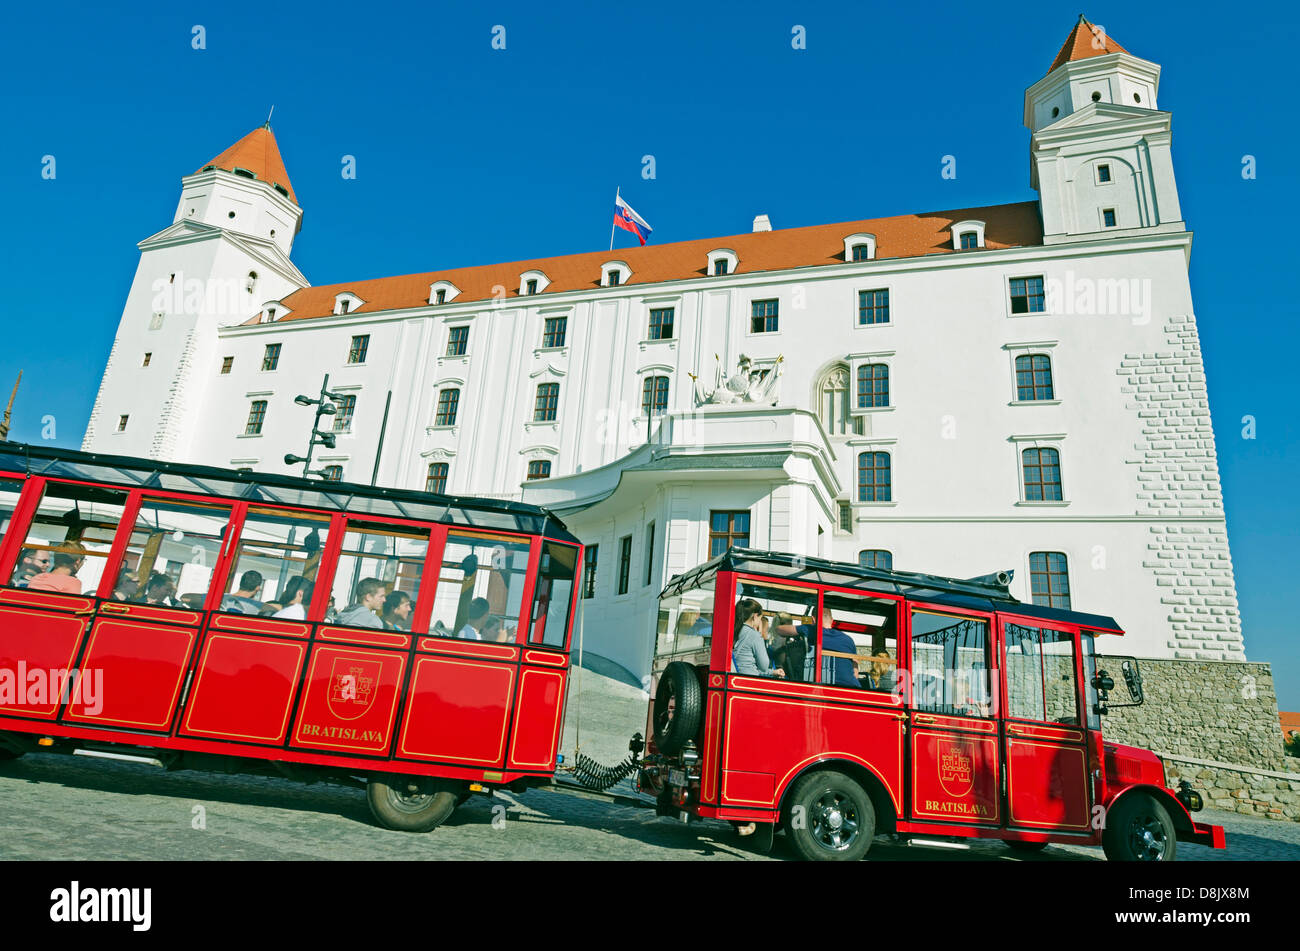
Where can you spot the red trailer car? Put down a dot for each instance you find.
(904, 703)
(227, 620)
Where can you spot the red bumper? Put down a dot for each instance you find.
(1204, 834)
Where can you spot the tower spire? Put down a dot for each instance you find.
(4, 424)
(267, 125)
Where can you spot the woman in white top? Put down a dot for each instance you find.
(297, 594)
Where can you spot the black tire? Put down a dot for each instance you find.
(411, 803)
(1025, 846)
(829, 817)
(679, 707)
(1139, 829)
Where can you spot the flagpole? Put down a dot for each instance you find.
(611, 223)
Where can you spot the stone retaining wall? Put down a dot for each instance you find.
(1215, 724)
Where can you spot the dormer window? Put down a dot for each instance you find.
(532, 282)
(270, 313)
(347, 303)
(860, 247)
(967, 235)
(440, 296)
(442, 292)
(244, 173)
(272, 310)
(722, 261)
(614, 273)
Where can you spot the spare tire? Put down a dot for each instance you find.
(679, 707)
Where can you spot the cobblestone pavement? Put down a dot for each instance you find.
(74, 808)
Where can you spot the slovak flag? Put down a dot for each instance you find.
(629, 220)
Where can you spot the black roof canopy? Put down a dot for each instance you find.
(954, 592)
(272, 489)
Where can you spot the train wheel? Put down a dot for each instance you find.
(830, 818)
(679, 707)
(1139, 829)
(412, 803)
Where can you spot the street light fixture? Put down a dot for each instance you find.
(318, 437)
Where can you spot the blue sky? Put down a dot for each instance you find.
(469, 155)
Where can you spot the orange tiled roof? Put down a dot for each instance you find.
(1290, 722)
(258, 153)
(1085, 40)
(902, 236)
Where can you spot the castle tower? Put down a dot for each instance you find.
(1100, 149)
(225, 255)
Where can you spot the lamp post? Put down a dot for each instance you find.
(318, 438)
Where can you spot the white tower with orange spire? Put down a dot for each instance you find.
(223, 258)
(1100, 148)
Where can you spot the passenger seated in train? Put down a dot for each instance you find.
(296, 599)
(496, 629)
(244, 600)
(128, 586)
(159, 590)
(476, 621)
(839, 671)
(31, 562)
(787, 646)
(397, 611)
(67, 561)
(880, 673)
(368, 602)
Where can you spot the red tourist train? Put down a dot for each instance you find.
(224, 620)
(897, 703)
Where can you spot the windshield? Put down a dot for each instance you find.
(685, 627)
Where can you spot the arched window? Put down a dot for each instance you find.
(1042, 469)
(448, 404)
(1034, 377)
(833, 403)
(548, 399)
(876, 558)
(874, 477)
(436, 480)
(873, 385)
(1049, 579)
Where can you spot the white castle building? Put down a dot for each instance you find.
(1014, 386)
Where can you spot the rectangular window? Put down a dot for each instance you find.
(1103, 173)
(554, 594)
(624, 562)
(589, 571)
(67, 545)
(649, 552)
(256, 416)
(171, 553)
(344, 409)
(440, 296)
(480, 593)
(344, 305)
(720, 267)
(278, 552)
(1042, 473)
(615, 275)
(859, 641)
(661, 323)
(861, 252)
(1034, 377)
(271, 358)
(539, 469)
(1027, 295)
(147, 358)
(873, 307)
(781, 636)
(457, 341)
(436, 479)
(448, 403)
(654, 396)
(531, 287)
(874, 477)
(227, 363)
(121, 423)
(1108, 217)
(546, 402)
(1049, 579)
(969, 239)
(376, 562)
(1040, 675)
(763, 317)
(360, 346)
(728, 530)
(950, 664)
(846, 517)
(873, 385)
(553, 331)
